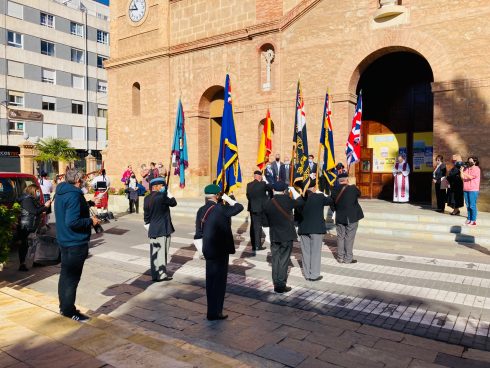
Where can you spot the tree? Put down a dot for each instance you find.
(54, 150)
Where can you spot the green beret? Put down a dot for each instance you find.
(212, 189)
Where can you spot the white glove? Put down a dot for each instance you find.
(147, 227)
(294, 193)
(169, 195)
(319, 191)
(198, 245)
(228, 200)
(313, 175)
(264, 178)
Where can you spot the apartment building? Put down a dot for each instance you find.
(52, 77)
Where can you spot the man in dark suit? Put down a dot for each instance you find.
(276, 167)
(285, 171)
(269, 174)
(348, 212)
(279, 213)
(311, 229)
(312, 165)
(157, 217)
(258, 192)
(213, 223)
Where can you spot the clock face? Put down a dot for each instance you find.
(137, 10)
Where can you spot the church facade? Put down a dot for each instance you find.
(422, 67)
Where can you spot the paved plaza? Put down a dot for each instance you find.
(376, 313)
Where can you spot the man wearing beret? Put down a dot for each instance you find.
(213, 226)
(279, 213)
(157, 218)
(258, 192)
(348, 212)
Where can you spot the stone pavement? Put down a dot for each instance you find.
(411, 289)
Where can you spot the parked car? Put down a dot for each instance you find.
(12, 186)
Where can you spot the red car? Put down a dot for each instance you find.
(12, 186)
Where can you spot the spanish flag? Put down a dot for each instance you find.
(265, 146)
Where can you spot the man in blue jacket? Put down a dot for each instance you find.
(73, 229)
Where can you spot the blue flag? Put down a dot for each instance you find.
(179, 147)
(228, 168)
(326, 141)
(300, 143)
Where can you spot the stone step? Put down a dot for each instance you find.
(31, 318)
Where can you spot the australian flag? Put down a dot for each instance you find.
(326, 141)
(228, 168)
(300, 144)
(353, 146)
(179, 146)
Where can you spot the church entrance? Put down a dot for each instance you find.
(215, 116)
(397, 119)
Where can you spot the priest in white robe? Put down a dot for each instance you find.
(401, 170)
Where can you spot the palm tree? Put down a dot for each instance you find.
(54, 150)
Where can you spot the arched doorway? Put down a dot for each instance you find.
(397, 118)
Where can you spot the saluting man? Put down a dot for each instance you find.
(279, 213)
(311, 229)
(258, 192)
(213, 223)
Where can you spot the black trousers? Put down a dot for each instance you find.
(216, 276)
(134, 205)
(24, 246)
(256, 229)
(441, 196)
(281, 253)
(72, 261)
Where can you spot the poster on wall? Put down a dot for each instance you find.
(386, 148)
(422, 152)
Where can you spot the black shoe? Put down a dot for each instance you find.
(167, 278)
(353, 261)
(23, 267)
(79, 317)
(219, 317)
(283, 290)
(261, 248)
(316, 279)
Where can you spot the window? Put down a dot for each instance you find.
(16, 126)
(49, 103)
(136, 98)
(47, 20)
(100, 61)
(14, 39)
(47, 48)
(102, 86)
(16, 98)
(102, 37)
(49, 130)
(15, 10)
(76, 29)
(102, 113)
(48, 76)
(77, 55)
(77, 81)
(15, 69)
(101, 135)
(77, 107)
(78, 133)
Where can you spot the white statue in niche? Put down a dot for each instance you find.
(387, 2)
(269, 57)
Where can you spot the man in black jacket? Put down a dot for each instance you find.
(157, 219)
(348, 212)
(311, 229)
(279, 213)
(258, 192)
(285, 171)
(213, 224)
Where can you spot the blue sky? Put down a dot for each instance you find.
(106, 2)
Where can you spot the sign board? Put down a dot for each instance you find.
(25, 115)
(423, 152)
(386, 148)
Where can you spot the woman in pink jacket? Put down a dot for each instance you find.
(471, 187)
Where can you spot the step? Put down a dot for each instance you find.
(30, 315)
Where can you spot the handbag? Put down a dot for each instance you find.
(444, 183)
(47, 251)
(28, 221)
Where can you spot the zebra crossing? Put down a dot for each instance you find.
(438, 298)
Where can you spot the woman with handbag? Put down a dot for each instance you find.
(440, 183)
(31, 210)
(455, 196)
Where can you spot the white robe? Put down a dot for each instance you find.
(401, 186)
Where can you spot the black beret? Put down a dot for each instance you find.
(280, 186)
(257, 172)
(343, 175)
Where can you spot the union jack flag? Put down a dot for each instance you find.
(353, 146)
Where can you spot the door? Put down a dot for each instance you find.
(215, 140)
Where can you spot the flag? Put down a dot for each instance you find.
(179, 146)
(301, 175)
(228, 168)
(353, 146)
(326, 141)
(265, 145)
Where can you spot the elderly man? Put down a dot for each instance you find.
(258, 192)
(73, 230)
(279, 213)
(213, 225)
(276, 167)
(348, 212)
(159, 223)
